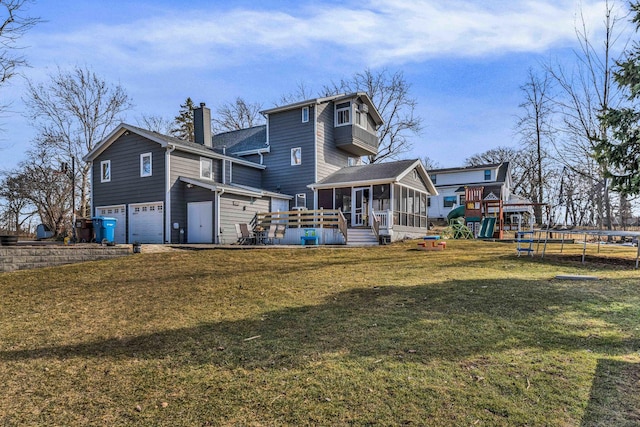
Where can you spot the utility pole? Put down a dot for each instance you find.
(71, 174)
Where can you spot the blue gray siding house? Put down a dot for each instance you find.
(307, 156)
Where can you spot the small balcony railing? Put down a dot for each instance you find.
(356, 140)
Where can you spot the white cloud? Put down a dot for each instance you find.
(378, 32)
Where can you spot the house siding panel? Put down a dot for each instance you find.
(330, 158)
(415, 182)
(235, 209)
(126, 185)
(245, 175)
(286, 131)
(186, 165)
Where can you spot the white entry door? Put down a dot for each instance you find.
(200, 222)
(360, 207)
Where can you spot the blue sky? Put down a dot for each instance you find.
(465, 59)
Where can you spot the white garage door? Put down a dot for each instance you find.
(146, 222)
(200, 222)
(120, 214)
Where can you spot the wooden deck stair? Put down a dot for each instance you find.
(362, 237)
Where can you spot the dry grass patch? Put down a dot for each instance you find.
(386, 335)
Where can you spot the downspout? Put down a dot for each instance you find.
(315, 154)
(217, 221)
(167, 209)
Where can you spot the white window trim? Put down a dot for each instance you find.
(305, 114)
(142, 157)
(210, 161)
(350, 109)
(102, 165)
(363, 119)
(296, 161)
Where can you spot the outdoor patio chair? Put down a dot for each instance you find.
(247, 235)
(239, 237)
(271, 234)
(279, 233)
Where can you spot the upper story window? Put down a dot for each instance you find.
(296, 156)
(353, 161)
(487, 174)
(343, 113)
(206, 168)
(361, 119)
(433, 179)
(449, 201)
(145, 164)
(305, 114)
(105, 171)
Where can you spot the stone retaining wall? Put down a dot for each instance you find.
(26, 257)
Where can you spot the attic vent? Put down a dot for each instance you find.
(364, 108)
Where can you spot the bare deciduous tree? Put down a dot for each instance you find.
(72, 112)
(153, 123)
(13, 25)
(430, 164)
(536, 131)
(390, 95)
(237, 115)
(584, 93)
(301, 93)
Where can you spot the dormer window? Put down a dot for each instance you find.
(343, 113)
(487, 174)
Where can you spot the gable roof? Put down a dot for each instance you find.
(376, 173)
(362, 96)
(242, 140)
(164, 141)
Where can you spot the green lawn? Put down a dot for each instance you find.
(471, 336)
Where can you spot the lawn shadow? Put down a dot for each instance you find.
(452, 319)
(615, 395)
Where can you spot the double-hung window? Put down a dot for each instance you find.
(343, 113)
(105, 171)
(487, 174)
(305, 114)
(145, 164)
(206, 168)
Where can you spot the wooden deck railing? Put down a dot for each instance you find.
(322, 218)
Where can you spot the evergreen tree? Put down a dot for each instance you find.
(621, 149)
(183, 122)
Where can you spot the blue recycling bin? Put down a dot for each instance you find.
(105, 229)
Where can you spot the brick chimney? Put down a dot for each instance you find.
(202, 125)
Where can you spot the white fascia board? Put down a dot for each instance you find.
(266, 149)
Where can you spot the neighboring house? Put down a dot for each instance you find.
(307, 156)
(451, 182)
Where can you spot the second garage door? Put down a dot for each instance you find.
(146, 222)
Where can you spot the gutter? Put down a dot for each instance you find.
(217, 221)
